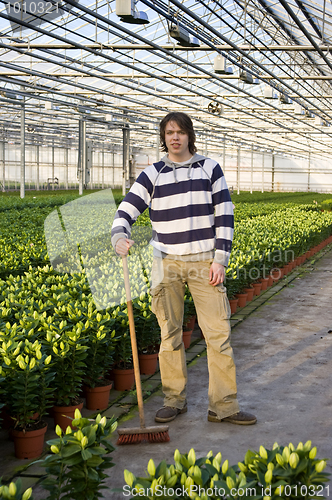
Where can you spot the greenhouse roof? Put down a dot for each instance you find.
(255, 74)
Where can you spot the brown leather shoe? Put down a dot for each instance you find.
(240, 418)
(168, 413)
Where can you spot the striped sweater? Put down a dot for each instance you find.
(190, 208)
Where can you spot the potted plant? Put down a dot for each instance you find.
(99, 360)
(28, 377)
(123, 371)
(76, 468)
(147, 335)
(189, 317)
(67, 345)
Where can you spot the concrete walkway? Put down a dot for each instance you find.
(283, 346)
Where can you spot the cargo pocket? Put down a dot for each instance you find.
(158, 302)
(225, 308)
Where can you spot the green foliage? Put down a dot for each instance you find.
(189, 306)
(326, 204)
(69, 351)
(28, 374)
(100, 345)
(271, 240)
(13, 491)
(58, 310)
(76, 468)
(282, 472)
(123, 355)
(286, 470)
(281, 198)
(146, 325)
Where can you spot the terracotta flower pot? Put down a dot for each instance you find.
(97, 398)
(186, 337)
(29, 444)
(242, 299)
(233, 303)
(250, 292)
(190, 323)
(257, 288)
(270, 280)
(148, 363)
(124, 380)
(276, 275)
(61, 414)
(264, 282)
(285, 270)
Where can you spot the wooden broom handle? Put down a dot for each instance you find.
(133, 341)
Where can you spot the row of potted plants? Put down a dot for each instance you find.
(260, 228)
(51, 347)
(78, 461)
(283, 472)
(247, 294)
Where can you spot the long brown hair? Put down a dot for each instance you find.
(185, 123)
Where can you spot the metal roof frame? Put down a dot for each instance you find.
(90, 64)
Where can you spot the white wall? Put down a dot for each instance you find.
(290, 174)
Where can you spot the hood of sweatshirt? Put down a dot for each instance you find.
(196, 158)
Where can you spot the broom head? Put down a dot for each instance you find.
(156, 434)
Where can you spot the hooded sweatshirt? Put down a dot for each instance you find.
(190, 209)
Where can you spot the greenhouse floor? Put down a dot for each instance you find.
(282, 343)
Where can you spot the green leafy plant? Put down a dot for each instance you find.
(122, 354)
(28, 376)
(13, 491)
(189, 307)
(76, 468)
(68, 353)
(287, 471)
(283, 472)
(188, 477)
(100, 343)
(146, 325)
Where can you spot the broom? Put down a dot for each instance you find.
(156, 434)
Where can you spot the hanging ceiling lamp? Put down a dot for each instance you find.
(125, 9)
(247, 77)
(182, 36)
(269, 92)
(220, 66)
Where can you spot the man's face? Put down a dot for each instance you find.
(176, 141)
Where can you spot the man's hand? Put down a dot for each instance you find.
(123, 245)
(216, 274)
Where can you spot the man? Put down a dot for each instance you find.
(192, 222)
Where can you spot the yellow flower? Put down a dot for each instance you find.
(27, 494)
(320, 466)
(151, 468)
(77, 414)
(12, 489)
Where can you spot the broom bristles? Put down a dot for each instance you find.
(147, 435)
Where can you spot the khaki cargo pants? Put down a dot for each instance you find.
(213, 312)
